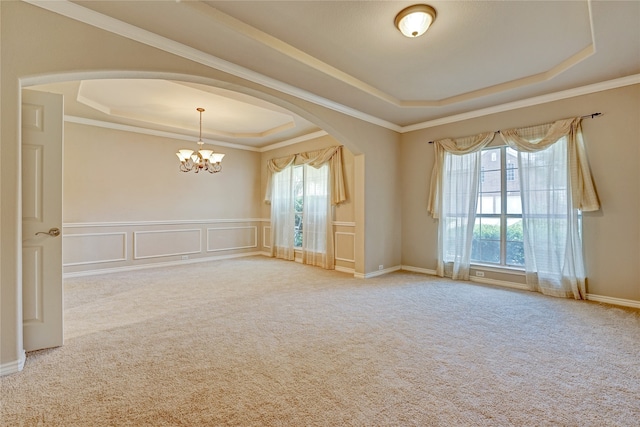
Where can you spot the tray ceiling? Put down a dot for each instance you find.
(347, 55)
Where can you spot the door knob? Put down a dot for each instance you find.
(54, 232)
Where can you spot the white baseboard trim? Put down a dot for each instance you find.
(419, 270)
(615, 301)
(523, 287)
(345, 270)
(502, 283)
(483, 280)
(159, 264)
(13, 367)
(377, 273)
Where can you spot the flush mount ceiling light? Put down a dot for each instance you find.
(415, 20)
(201, 160)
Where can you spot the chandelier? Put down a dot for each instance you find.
(202, 159)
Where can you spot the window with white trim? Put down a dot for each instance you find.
(497, 232)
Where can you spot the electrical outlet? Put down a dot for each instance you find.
(380, 267)
(480, 273)
(185, 256)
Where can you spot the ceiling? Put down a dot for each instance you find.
(478, 57)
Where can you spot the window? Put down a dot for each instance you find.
(310, 193)
(497, 232)
(511, 173)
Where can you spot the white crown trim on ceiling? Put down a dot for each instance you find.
(529, 102)
(318, 65)
(98, 20)
(182, 137)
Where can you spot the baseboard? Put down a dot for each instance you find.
(13, 367)
(345, 270)
(160, 264)
(483, 280)
(419, 270)
(502, 283)
(377, 273)
(524, 287)
(615, 301)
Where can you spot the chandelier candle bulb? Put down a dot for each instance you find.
(206, 154)
(184, 154)
(217, 157)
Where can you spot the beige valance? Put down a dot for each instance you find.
(528, 139)
(536, 138)
(331, 155)
(455, 146)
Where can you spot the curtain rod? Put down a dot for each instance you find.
(587, 116)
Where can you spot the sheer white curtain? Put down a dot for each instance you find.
(317, 234)
(453, 199)
(555, 185)
(459, 201)
(324, 188)
(282, 214)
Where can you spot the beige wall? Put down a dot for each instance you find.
(112, 175)
(38, 43)
(125, 203)
(611, 235)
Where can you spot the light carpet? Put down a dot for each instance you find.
(263, 342)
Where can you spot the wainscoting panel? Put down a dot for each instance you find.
(92, 248)
(229, 238)
(162, 243)
(266, 237)
(345, 246)
(95, 247)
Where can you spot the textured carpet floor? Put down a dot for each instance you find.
(262, 342)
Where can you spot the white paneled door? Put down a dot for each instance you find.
(42, 132)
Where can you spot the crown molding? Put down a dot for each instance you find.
(529, 102)
(292, 141)
(98, 20)
(190, 138)
(152, 132)
(115, 26)
(290, 51)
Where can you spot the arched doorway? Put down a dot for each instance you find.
(41, 83)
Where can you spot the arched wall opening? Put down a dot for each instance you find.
(102, 196)
(39, 46)
(87, 182)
